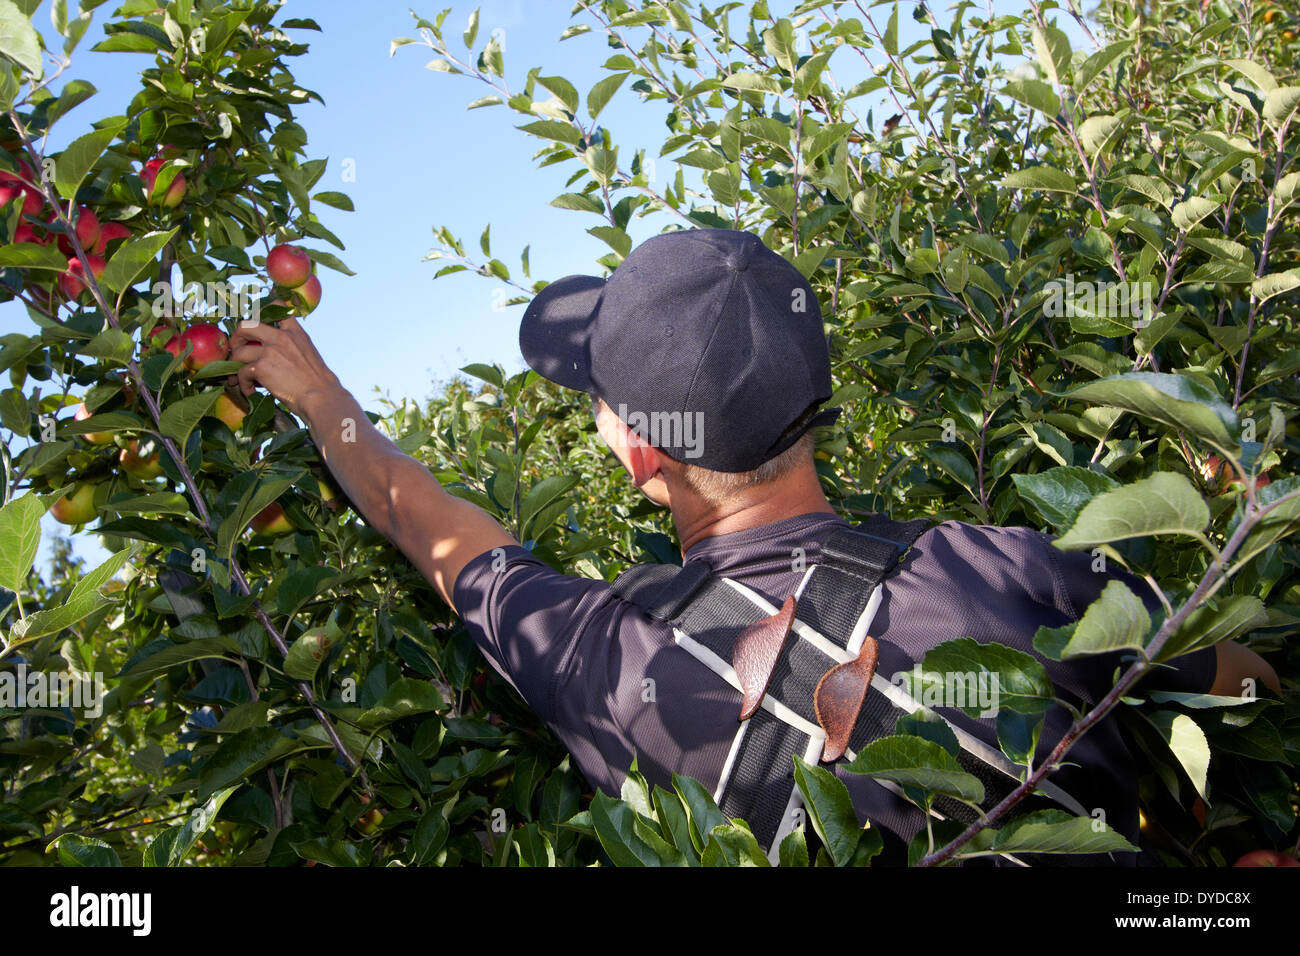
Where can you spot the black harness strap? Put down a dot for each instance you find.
(712, 613)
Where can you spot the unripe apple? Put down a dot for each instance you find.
(95, 438)
(73, 281)
(329, 494)
(228, 410)
(271, 521)
(288, 266)
(1266, 858)
(175, 192)
(87, 231)
(78, 507)
(210, 344)
(1221, 473)
(307, 295)
(110, 232)
(144, 468)
(368, 823)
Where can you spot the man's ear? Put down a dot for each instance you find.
(643, 459)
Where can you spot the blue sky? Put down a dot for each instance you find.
(422, 160)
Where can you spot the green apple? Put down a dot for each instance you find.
(76, 507)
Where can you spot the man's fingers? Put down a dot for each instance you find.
(249, 352)
(247, 377)
(255, 332)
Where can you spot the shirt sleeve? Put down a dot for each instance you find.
(1078, 585)
(525, 617)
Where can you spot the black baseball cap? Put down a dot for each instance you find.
(704, 342)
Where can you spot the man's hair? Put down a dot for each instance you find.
(717, 486)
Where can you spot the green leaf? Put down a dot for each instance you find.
(20, 538)
(179, 418)
(252, 502)
(830, 808)
(1014, 679)
(1060, 493)
(170, 846)
(167, 658)
(1053, 49)
(1255, 73)
(733, 846)
(135, 255)
(578, 202)
(626, 842)
(310, 650)
(752, 81)
(19, 42)
(1165, 503)
(75, 850)
(1173, 400)
(1055, 831)
(1189, 213)
(1278, 523)
(1280, 104)
(165, 502)
(31, 255)
(1187, 742)
(1047, 178)
(563, 89)
(914, 762)
(1211, 624)
(1265, 287)
(119, 421)
(404, 697)
(84, 600)
(1116, 620)
(542, 494)
(75, 162)
(1035, 94)
(703, 812)
(335, 200)
(794, 849)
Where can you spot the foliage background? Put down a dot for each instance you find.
(1005, 160)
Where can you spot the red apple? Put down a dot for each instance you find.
(271, 521)
(73, 281)
(210, 344)
(288, 266)
(307, 295)
(12, 184)
(175, 192)
(25, 233)
(110, 232)
(95, 438)
(138, 466)
(228, 410)
(1267, 858)
(87, 231)
(77, 507)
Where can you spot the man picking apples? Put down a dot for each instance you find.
(706, 359)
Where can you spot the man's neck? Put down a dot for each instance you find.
(796, 494)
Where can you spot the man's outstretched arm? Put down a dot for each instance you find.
(397, 495)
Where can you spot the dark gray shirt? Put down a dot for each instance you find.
(612, 683)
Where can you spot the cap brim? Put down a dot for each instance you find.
(554, 331)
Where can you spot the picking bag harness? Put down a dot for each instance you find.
(806, 672)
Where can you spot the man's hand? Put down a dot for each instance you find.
(396, 494)
(283, 360)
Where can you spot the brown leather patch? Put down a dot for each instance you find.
(755, 653)
(839, 697)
